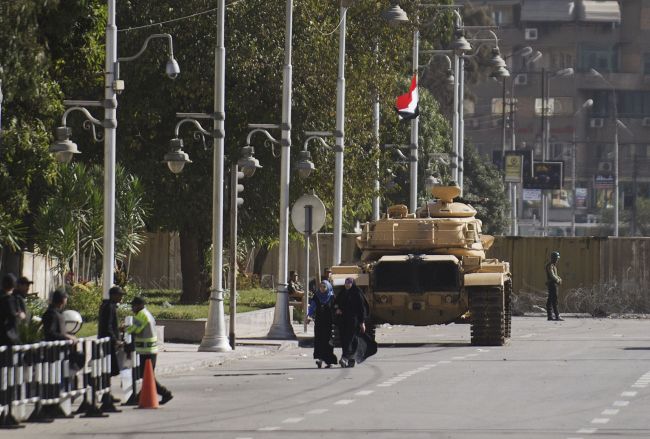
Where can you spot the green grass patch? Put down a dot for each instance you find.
(164, 304)
(88, 329)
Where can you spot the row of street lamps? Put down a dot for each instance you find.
(545, 125)
(215, 338)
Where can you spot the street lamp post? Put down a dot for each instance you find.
(595, 72)
(546, 134)
(586, 104)
(64, 148)
(532, 57)
(214, 337)
(340, 137)
(281, 328)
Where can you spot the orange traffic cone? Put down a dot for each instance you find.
(148, 394)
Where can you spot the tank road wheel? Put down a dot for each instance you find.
(487, 308)
(508, 307)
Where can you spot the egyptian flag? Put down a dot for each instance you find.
(407, 104)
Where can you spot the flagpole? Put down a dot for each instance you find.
(415, 125)
(454, 163)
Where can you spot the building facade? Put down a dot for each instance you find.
(598, 50)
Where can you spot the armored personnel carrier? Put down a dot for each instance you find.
(429, 267)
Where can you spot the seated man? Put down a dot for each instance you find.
(295, 289)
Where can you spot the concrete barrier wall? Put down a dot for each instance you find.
(248, 325)
(159, 263)
(585, 261)
(40, 269)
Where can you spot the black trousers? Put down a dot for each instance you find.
(551, 302)
(160, 389)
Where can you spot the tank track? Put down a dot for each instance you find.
(488, 316)
(508, 307)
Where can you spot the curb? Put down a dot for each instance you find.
(245, 349)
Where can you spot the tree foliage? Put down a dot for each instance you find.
(39, 55)
(55, 49)
(69, 224)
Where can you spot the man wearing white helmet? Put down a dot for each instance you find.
(552, 282)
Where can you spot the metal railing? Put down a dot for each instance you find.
(49, 374)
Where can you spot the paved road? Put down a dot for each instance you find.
(580, 378)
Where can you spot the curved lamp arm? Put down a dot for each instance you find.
(89, 124)
(459, 19)
(144, 47)
(434, 55)
(195, 123)
(320, 139)
(265, 132)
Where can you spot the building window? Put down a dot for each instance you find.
(561, 60)
(601, 58)
(502, 16)
(469, 107)
(497, 106)
(633, 104)
(556, 106)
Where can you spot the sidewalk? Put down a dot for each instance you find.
(177, 358)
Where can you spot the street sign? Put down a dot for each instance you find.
(514, 167)
(532, 195)
(305, 208)
(546, 175)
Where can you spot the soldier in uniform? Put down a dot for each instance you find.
(552, 281)
(294, 287)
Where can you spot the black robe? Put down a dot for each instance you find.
(108, 327)
(323, 319)
(355, 345)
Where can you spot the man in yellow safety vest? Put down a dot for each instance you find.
(146, 341)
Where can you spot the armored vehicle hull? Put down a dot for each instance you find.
(429, 267)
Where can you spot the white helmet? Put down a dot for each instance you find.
(73, 321)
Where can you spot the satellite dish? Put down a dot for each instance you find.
(299, 214)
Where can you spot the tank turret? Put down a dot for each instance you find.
(439, 226)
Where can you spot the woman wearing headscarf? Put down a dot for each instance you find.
(351, 311)
(321, 310)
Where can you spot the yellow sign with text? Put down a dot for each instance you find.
(514, 168)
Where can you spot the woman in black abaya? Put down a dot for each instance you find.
(351, 314)
(321, 310)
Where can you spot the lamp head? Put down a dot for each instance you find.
(304, 165)
(395, 15)
(460, 43)
(63, 148)
(176, 158)
(495, 60)
(172, 69)
(389, 180)
(399, 157)
(248, 164)
(500, 73)
(594, 72)
(524, 51)
(534, 57)
(588, 103)
(565, 72)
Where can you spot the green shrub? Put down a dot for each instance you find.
(85, 299)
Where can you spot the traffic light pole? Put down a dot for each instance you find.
(235, 201)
